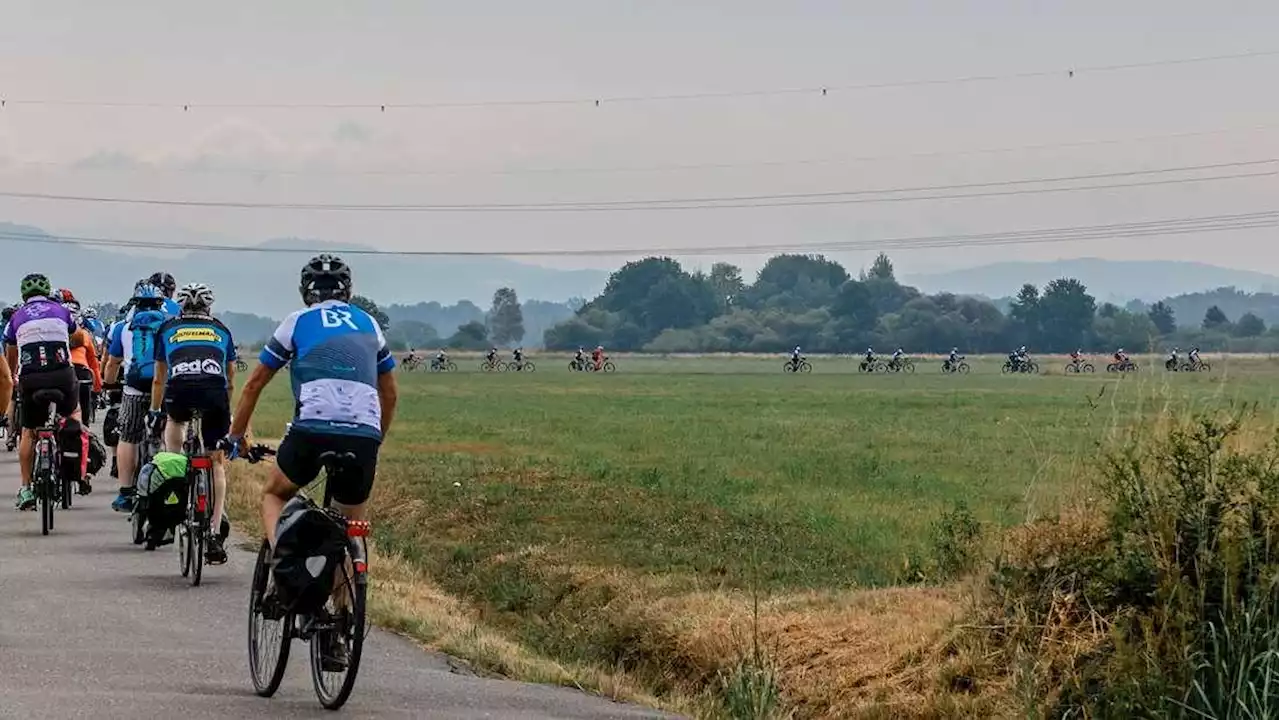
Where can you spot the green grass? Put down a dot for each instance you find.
(715, 471)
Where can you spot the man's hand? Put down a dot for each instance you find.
(155, 419)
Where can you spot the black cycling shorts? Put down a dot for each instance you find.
(298, 457)
(182, 400)
(35, 415)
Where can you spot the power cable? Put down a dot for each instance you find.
(1069, 72)
(1148, 228)
(708, 202)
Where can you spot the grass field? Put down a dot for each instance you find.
(517, 493)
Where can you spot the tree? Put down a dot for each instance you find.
(1066, 313)
(796, 282)
(726, 281)
(1215, 319)
(1108, 310)
(470, 336)
(506, 321)
(1162, 317)
(1025, 312)
(881, 268)
(374, 311)
(1250, 325)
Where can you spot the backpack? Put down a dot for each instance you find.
(97, 455)
(309, 549)
(162, 491)
(143, 329)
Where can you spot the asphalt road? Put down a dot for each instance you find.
(92, 626)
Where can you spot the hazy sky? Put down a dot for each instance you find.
(321, 51)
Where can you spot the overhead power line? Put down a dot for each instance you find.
(837, 197)
(674, 167)
(1075, 233)
(1065, 72)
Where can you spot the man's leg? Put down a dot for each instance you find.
(174, 433)
(26, 460)
(277, 491)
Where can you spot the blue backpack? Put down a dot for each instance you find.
(143, 328)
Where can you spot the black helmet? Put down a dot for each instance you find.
(7, 313)
(325, 277)
(165, 282)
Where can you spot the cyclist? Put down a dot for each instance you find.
(868, 358)
(517, 357)
(132, 351)
(953, 359)
(84, 360)
(580, 358)
(1193, 357)
(441, 359)
(195, 370)
(167, 285)
(345, 392)
(37, 343)
(597, 357)
(1171, 362)
(796, 357)
(896, 360)
(411, 358)
(1121, 358)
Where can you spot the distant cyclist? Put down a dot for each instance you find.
(441, 359)
(37, 344)
(131, 358)
(580, 358)
(168, 286)
(1193, 357)
(492, 356)
(953, 359)
(896, 360)
(345, 398)
(194, 371)
(1171, 362)
(517, 357)
(597, 357)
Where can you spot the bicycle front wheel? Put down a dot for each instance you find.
(270, 630)
(962, 368)
(609, 367)
(333, 684)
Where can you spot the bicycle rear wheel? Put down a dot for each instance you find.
(334, 687)
(270, 630)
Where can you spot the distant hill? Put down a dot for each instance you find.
(266, 283)
(1117, 281)
(1189, 309)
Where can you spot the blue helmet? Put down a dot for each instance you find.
(147, 291)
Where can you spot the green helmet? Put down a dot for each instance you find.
(35, 284)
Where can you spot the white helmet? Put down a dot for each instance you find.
(194, 297)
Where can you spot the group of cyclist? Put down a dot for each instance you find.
(1124, 362)
(869, 358)
(441, 359)
(166, 358)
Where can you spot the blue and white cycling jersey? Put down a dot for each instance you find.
(336, 352)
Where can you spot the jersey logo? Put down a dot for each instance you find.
(194, 334)
(335, 317)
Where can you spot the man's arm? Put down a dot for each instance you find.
(157, 384)
(258, 380)
(387, 396)
(111, 374)
(11, 358)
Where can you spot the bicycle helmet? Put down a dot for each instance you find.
(195, 298)
(64, 296)
(34, 285)
(325, 277)
(164, 281)
(89, 313)
(7, 313)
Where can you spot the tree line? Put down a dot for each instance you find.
(656, 305)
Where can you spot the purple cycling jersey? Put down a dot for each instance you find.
(41, 329)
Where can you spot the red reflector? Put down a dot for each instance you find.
(202, 462)
(357, 528)
(361, 566)
(201, 503)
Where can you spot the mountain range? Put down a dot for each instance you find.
(263, 279)
(1116, 281)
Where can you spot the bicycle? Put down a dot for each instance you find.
(147, 450)
(446, 366)
(47, 481)
(1022, 366)
(241, 365)
(797, 366)
(191, 535)
(1126, 366)
(902, 365)
(522, 366)
(1199, 366)
(1078, 367)
(493, 366)
(348, 623)
(960, 366)
(872, 366)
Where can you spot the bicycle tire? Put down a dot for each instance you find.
(963, 368)
(787, 367)
(451, 366)
(1070, 369)
(805, 366)
(43, 490)
(266, 680)
(1006, 368)
(879, 367)
(909, 368)
(608, 367)
(64, 490)
(356, 633)
(529, 366)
